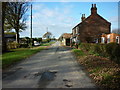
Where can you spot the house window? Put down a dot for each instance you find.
(117, 39)
(77, 28)
(102, 39)
(96, 41)
(73, 31)
(108, 38)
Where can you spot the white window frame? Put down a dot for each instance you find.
(102, 39)
(117, 37)
(108, 38)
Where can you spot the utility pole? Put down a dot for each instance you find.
(31, 27)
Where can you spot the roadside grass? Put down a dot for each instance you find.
(16, 55)
(105, 72)
(78, 52)
(47, 44)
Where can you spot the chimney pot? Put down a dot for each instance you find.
(83, 17)
(92, 5)
(94, 9)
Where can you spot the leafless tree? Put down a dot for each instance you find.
(15, 16)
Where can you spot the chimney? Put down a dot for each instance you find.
(93, 9)
(83, 17)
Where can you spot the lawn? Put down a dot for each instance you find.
(16, 55)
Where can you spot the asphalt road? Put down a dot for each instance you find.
(54, 67)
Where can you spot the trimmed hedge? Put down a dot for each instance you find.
(111, 50)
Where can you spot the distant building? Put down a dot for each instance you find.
(91, 28)
(10, 37)
(47, 35)
(65, 38)
(112, 37)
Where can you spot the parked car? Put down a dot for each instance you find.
(36, 43)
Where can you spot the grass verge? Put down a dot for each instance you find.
(47, 44)
(103, 71)
(16, 55)
(78, 52)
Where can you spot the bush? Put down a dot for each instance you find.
(84, 46)
(99, 49)
(111, 50)
(78, 52)
(24, 45)
(12, 45)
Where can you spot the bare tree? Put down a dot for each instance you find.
(15, 16)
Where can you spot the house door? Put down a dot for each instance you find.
(67, 42)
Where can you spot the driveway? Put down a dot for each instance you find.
(54, 67)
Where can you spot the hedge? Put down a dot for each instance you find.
(111, 50)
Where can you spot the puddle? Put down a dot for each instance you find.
(46, 78)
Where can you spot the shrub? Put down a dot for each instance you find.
(99, 49)
(111, 50)
(84, 46)
(24, 45)
(12, 45)
(78, 52)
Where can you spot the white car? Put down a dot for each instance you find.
(36, 43)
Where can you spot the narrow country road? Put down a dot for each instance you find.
(54, 67)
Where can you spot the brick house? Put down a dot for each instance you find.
(91, 28)
(112, 37)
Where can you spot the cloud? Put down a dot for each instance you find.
(58, 20)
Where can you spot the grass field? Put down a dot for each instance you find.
(16, 55)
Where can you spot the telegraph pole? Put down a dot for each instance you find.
(31, 26)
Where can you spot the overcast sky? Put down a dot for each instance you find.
(61, 17)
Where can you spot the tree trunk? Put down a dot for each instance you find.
(4, 46)
(17, 36)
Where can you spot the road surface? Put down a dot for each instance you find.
(54, 67)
